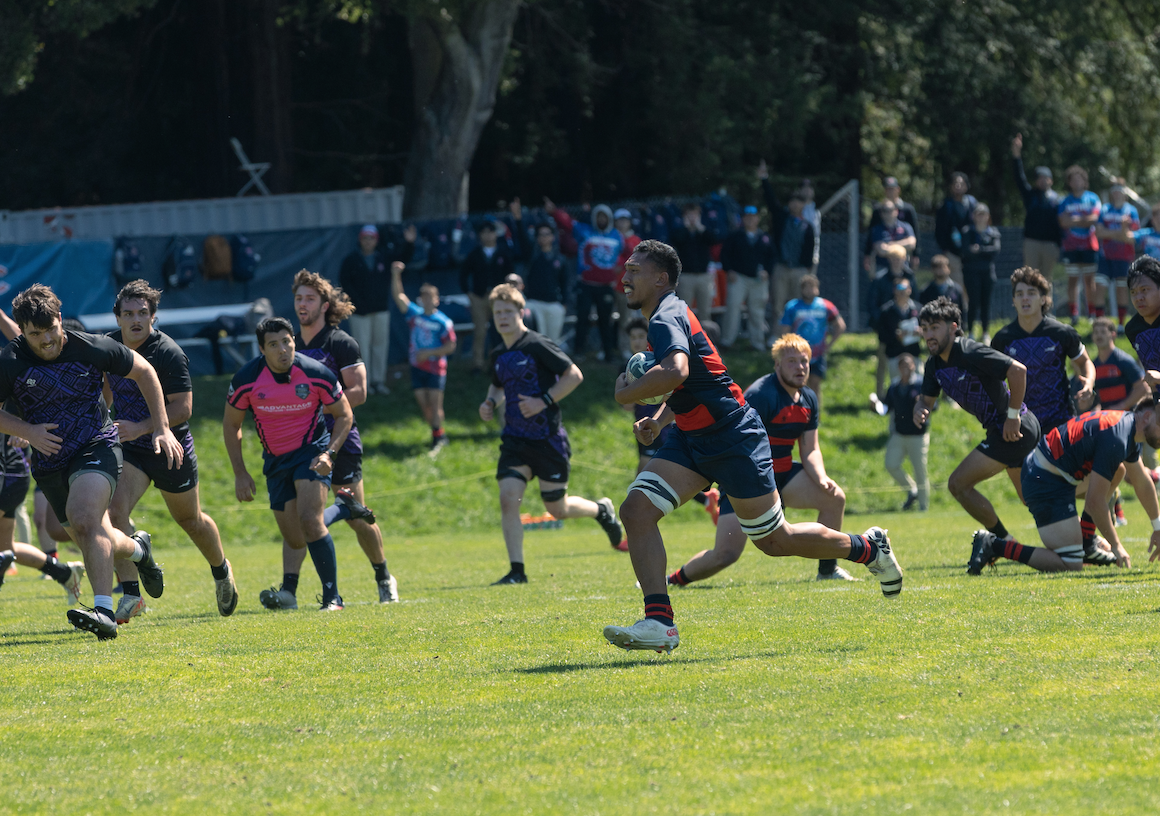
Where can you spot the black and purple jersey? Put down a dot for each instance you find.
(529, 368)
(1095, 442)
(1045, 352)
(172, 367)
(974, 376)
(1116, 377)
(1145, 339)
(338, 351)
(66, 391)
(708, 396)
(785, 418)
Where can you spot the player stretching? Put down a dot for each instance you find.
(136, 309)
(1083, 454)
(529, 376)
(288, 394)
(718, 437)
(977, 378)
(789, 410)
(320, 308)
(55, 378)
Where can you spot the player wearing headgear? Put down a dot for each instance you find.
(529, 377)
(789, 411)
(718, 437)
(320, 308)
(288, 394)
(1077, 458)
(136, 310)
(55, 379)
(990, 385)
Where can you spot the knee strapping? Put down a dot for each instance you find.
(1070, 555)
(764, 524)
(657, 491)
(1101, 280)
(510, 473)
(553, 495)
(1074, 270)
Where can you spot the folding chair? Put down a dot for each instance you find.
(255, 169)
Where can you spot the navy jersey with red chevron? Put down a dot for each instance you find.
(1116, 376)
(1095, 442)
(1045, 352)
(974, 376)
(338, 351)
(784, 418)
(708, 396)
(1145, 339)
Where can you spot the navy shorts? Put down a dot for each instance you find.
(156, 467)
(782, 479)
(425, 379)
(1080, 256)
(1011, 454)
(98, 456)
(549, 460)
(1113, 270)
(283, 471)
(13, 493)
(347, 469)
(818, 367)
(736, 457)
(1049, 497)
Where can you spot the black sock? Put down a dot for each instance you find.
(657, 608)
(862, 549)
(1014, 551)
(518, 567)
(56, 570)
(827, 566)
(290, 582)
(132, 588)
(219, 572)
(999, 530)
(326, 564)
(701, 499)
(381, 573)
(51, 553)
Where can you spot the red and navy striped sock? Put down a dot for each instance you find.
(1123, 310)
(1014, 551)
(657, 608)
(862, 549)
(680, 578)
(1087, 526)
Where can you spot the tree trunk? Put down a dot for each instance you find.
(457, 68)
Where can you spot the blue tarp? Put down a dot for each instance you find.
(78, 271)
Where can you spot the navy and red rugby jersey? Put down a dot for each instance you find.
(785, 420)
(708, 396)
(1097, 441)
(1116, 377)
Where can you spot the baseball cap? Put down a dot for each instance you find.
(1043, 171)
(902, 284)
(621, 213)
(369, 229)
(750, 210)
(890, 181)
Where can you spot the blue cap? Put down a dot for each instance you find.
(750, 210)
(621, 213)
(902, 284)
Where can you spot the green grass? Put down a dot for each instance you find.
(1011, 692)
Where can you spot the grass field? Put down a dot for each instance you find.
(1011, 692)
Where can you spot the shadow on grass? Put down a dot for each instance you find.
(870, 443)
(626, 663)
(7, 644)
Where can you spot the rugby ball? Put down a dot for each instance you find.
(641, 362)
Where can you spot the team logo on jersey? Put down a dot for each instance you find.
(30, 382)
(302, 390)
(231, 391)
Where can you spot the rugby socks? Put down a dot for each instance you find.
(1123, 310)
(290, 582)
(437, 435)
(381, 573)
(656, 607)
(1074, 308)
(219, 572)
(131, 588)
(1087, 526)
(325, 562)
(56, 570)
(862, 549)
(1014, 551)
(104, 605)
(336, 512)
(999, 530)
(826, 566)
(679, 578)
(52, 553)
(518, 567)
(701, 499)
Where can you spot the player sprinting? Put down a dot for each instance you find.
(1080, 457)
(529, 377)
(788, 409)
(136, 310)
(989, 384)
(288, 393)
(719, 438)
(432, 339)
(55, 378)
(320, 308)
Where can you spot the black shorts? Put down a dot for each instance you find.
(13, 493)
(347, 469)
(548, 458)
(1011, 454)
(98, 456)
(156, 467)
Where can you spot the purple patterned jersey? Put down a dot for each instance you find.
(338, 351)
(65, 391)
(974, 376)
(1145, 339)
(1045, 351)
(529, 367)
(172, 367)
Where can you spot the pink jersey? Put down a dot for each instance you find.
(287, 407)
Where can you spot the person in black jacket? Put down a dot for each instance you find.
(981, 246)
(793, 240)
(881, 293)
(950, 220)
(693, 241)
(482, 270)
(546, 276)
(747, 257)
(898, 327)
(365, 276)
(1041, 234)
(942, 285)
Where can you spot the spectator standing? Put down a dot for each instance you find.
(981, 245)
(793, 239)
(951, 219)
(880, 294)
(898, 327)
(906, 214)
(890, 231)
(811, 213)
(693, 242)
(484, 268)
(907, 440)
(747, 256)
(597, 252)
(1041, 234)
(366, 278)
(1116, 229)
(1079, 212)
(546, 278)
(622, 220)
(819, 322)
(942, 285)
